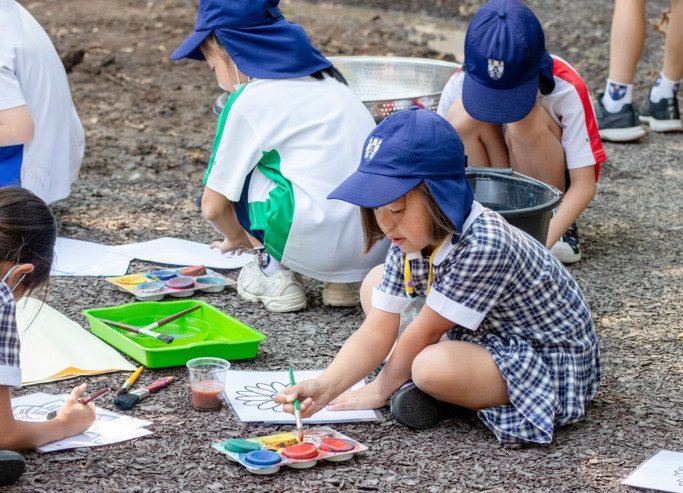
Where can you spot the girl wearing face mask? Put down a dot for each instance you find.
(28, 231)
(288, 135)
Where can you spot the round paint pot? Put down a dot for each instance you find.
(239, 446)
(301, 451)
(182, 282)
(213, 284)
(149, 287)
(336, 445)
(193, 271)
(262, 458)
(161, 275)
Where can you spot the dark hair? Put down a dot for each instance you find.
(212, 45)
(28, 231)
(439, 224)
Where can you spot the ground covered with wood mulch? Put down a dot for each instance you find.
(149, 128)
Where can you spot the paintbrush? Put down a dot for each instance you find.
(297, 410)
(81, 400)
(139, 330)
(128, 383)
(127, 401)
(170, 318)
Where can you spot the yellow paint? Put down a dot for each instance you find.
(279, 441)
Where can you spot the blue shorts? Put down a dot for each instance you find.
(242, 211)
(10, 165)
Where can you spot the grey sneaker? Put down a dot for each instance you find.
(663, 116)
(12, 466)
(622, 126)
(413, 408)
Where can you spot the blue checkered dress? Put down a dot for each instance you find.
(507, 293)
(10, 372)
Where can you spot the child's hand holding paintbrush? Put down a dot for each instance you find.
(74, 416)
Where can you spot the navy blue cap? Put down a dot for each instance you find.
(504, 56)
(405, 149)
(256, 36)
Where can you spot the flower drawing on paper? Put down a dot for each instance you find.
(261, 395)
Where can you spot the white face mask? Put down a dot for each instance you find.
(9, 272)
(239, 84)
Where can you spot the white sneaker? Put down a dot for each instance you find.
(341, 294)
(567, 249)
(281, 292)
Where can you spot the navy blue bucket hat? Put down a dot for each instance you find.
(256, 36)
(504, 56)
(405, 149)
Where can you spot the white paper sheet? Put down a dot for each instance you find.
(250, 394)
(54, 347)
(663, 471)
(84, 258)
(109, 427)
(175, 251)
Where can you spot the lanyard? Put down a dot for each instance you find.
(407, 275)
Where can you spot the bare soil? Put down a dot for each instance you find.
(149, 128)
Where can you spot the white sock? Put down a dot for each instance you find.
(617, 95)
(663, 89)
(268, 264)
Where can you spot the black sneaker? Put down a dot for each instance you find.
(12, 466)
(622, 126)
(663, 116)
(413, 408)
(568, 249)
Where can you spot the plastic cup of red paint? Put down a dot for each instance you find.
(207, 382)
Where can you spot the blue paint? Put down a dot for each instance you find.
(210, 280)
(161, 275)
(262, 458)
(149, 287)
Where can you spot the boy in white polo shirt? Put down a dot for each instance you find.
(41, 136)
(288, 135)
(515, 105)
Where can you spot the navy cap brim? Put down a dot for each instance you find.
(371, 190)
(190, 48)
(498, 105)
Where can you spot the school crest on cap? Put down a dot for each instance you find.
(372, 147)
(496, 68)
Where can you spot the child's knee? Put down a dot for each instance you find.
(426, 370)
(538, 124)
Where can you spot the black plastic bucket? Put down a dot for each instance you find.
(524, 202)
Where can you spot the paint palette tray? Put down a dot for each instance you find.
(179, 283)
(266, 455)
(204, 332)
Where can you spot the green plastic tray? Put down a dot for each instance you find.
(204, 332)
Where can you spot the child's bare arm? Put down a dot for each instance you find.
(72, 419)
(577, 198)
(361, 354)
(16, 126)
(221, 214)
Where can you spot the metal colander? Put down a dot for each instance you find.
(390, 84)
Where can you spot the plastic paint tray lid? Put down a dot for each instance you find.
(207, 332)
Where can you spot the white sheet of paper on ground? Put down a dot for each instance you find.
(250, 394)
(663, 471)
(109, 427)
(174, 251)
(54, 347)
(84, 258)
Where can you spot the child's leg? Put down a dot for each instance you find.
(535, 147)
(461, 373)
(627, 39)
(484, 142)
(673, 48)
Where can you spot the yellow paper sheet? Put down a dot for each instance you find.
(54, 347)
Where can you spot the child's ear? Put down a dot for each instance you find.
(18, 273)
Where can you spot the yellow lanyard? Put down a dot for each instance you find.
(408, 277)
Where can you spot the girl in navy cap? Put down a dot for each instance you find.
(515, 105)
(503, 330)
(289, 133)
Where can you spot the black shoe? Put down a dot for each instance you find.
(12, 466)
(413, 408)
(663, 116)
(567, 249)
(622, 126)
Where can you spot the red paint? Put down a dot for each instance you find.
(193, 271)
(336, 445)
(301, 451)
(180, 283)
(206, 395)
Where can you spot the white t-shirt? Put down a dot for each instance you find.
(32, 74)
(301, 138)
(569, 105)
